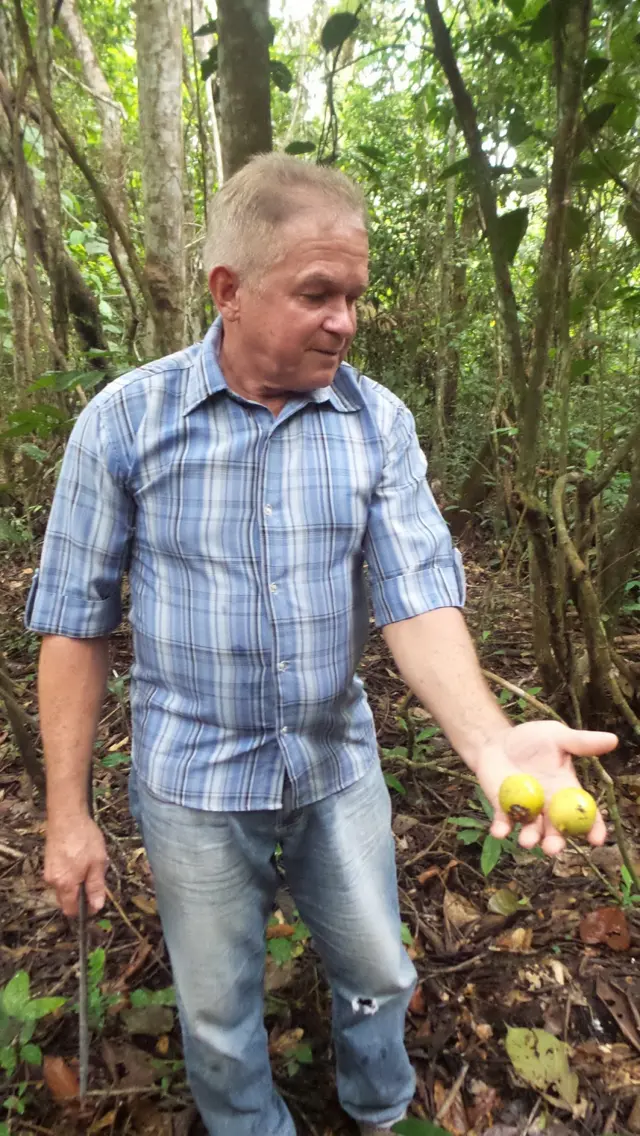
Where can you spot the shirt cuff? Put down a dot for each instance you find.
(440, 584)
(75, 617)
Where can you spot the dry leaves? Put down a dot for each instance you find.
(454, 1118)
(606, 925)
(61, 1080)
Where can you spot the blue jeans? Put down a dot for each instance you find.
(215, 881)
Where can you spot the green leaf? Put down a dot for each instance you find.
(337, 29)
(32, 1054)
(591, 459)
(580, 367)
(209, 64)
(596, 118)
(393, 783)
(541, 1060)
(594, 69)
(541, 27)
(504, 902)
(413, 1127)
(15, 995)
(506, 45)
(8, 1059)
(280, 75)
(491, 853)
(300, 148)
(304, 1054)
(464, 822)
(301, 933)
(372, 152)
(112, 760)
(518, 129)
(210, 28)
(511, 229)
(33, 451)
(462, 166)
(4, 1129)
(27, 1031)
(39, 1008)
(515, 6)
(471, 835)
(280, 950)
(77, 238)
(405, 935)
(577, 227)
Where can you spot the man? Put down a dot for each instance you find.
(243, 483)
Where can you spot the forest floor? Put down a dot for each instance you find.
(501, 952)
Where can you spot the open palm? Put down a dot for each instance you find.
(544, 750)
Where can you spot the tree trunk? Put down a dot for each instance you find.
(57, 276)
(621, 550)
(159, 47)
(12, 261)
(243, 69)
(439, 445)
(195, 17)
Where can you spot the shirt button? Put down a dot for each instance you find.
(284, 730)
(273, 588)
(268, 509)
(283, 666)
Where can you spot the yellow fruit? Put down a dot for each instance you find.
(521, 797)
(573, 811)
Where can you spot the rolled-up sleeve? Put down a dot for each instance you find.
(413, 566)
(76, 591)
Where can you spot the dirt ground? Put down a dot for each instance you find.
(506, 951)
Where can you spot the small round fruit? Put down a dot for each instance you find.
(521, 797)
(573, 811)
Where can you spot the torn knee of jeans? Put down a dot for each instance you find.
(364, 1006)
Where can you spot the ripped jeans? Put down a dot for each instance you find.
(215, 883)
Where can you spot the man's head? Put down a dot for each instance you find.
(287, 259)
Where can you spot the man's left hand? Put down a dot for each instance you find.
(544, 750)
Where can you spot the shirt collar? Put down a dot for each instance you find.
(206, 379)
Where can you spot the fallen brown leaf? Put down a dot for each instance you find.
(606, 925)
(417, 1005)
(60, 1078)
(517, 940)
(455, 1116)
(617, 1005)
(146, 904)
(459, 911)
(280, 931)
(283, 1043)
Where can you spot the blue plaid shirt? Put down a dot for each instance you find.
(244, 538)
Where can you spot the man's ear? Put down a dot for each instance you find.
(224, 287)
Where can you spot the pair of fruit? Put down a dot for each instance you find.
(571, 810)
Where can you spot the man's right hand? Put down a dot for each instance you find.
(75, 853)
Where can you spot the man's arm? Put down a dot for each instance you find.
(71, 686)
(436, 657)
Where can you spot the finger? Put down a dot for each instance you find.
(68, 898)
(95, 886)
(598, 833)
(586, 742)
(531, 834)
(501, 825)
(553, 842)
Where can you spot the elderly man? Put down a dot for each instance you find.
(243, 483)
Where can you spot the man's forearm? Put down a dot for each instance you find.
(71, 685)
(436, 657)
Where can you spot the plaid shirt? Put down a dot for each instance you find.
(245, 539)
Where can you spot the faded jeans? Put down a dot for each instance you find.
(215, 881)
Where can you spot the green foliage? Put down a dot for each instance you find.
(474, 830)
(413, 1127)
(19, 1015)
(337, 29)
(98, 1001)
(283, 950)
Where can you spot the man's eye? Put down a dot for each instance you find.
(316, 296)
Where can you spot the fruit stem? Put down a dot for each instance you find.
(614, 813)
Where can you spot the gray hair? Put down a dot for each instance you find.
(270, 190)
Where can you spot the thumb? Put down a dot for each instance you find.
(95, 886)
(582, 743)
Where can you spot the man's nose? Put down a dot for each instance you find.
(341, 320)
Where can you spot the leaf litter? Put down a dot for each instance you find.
(524, 952)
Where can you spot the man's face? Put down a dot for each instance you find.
(298, 322)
